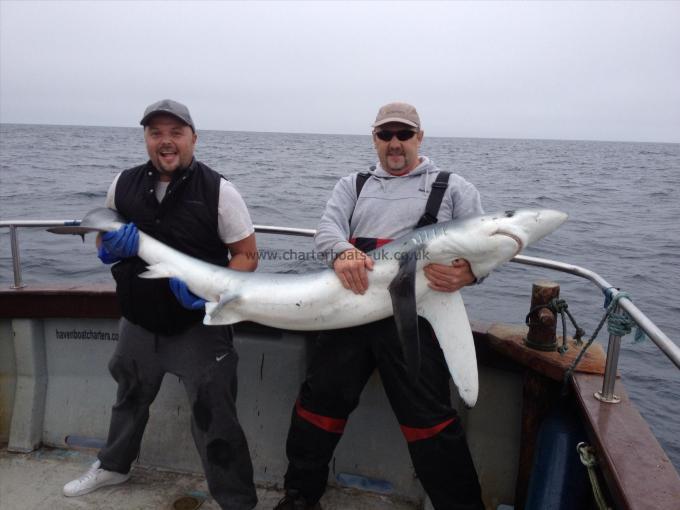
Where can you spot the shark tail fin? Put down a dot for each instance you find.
(446, 314)
(100, 219)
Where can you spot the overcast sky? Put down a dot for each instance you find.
(565, 70)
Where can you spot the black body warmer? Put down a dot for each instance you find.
(186, 219)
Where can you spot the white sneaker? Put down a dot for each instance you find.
(93, 479)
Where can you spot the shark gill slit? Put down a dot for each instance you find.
(520, 244)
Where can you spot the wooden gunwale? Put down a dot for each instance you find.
(60, 301)
(638, 472)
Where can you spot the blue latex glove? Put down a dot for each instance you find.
(185, 297)
(105, 256)
(119, 244)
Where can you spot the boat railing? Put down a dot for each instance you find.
(660, 339)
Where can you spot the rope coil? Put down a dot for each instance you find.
(589, 460)
(618, 324)
(560, 306)
(621, 324)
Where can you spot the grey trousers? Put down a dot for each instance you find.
(204, 358)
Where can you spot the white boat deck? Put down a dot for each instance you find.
(34, 481)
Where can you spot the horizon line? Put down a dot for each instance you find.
(350, 134)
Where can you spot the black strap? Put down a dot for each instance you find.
(434, 201)
(362, 177)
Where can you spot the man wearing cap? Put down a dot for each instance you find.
(183, 203)
(402, 191)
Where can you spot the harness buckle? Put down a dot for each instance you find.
(426, 219)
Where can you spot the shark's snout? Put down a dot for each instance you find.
(543, 222)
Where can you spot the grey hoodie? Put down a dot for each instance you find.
(389, 206)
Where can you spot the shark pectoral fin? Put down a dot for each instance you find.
(219, 313)
(446, 314)
(403, 293)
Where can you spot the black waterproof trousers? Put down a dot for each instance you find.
(205, 360)
(341, 365)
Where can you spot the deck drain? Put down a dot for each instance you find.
(187, 503)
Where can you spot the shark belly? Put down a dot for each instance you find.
(304, 303)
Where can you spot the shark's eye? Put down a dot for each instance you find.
(509, 214)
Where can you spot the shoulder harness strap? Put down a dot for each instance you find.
(434, 201)
(362, 177)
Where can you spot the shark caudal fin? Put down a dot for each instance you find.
(446, 314)
(100, 219)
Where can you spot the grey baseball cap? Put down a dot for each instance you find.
(168, 107)
(398, 112)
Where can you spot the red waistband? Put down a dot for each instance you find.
(378, 241)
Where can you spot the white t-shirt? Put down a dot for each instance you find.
(233, 219)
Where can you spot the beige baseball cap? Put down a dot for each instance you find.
(398, 112)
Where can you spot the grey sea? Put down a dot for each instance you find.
(622, 200)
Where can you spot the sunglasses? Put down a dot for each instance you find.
(402, 135)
